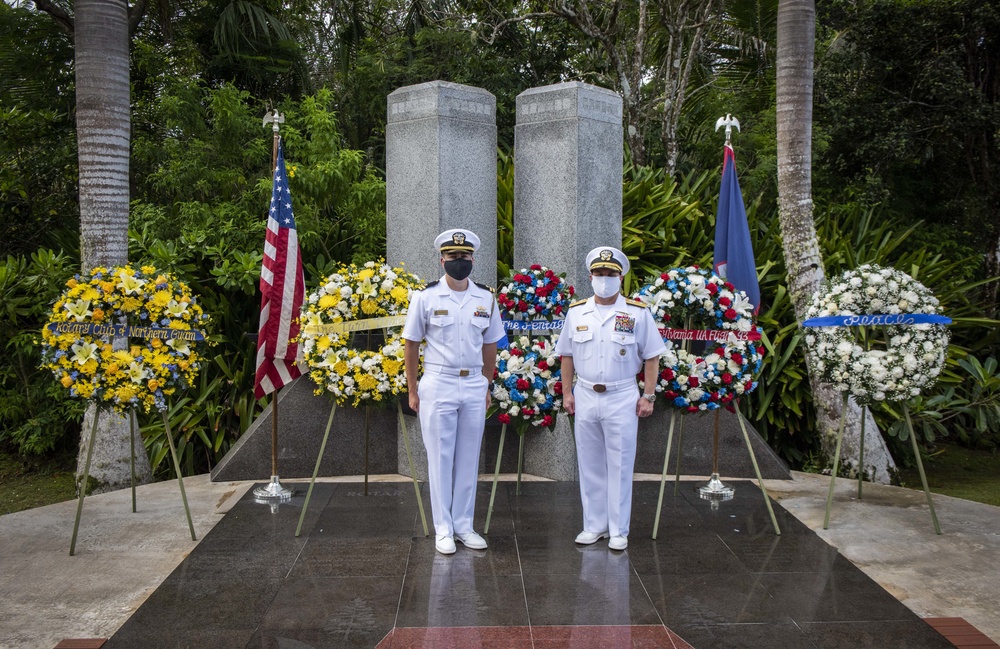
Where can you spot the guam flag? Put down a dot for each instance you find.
(733, 253)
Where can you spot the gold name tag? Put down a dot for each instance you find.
(441, 312)
(583, 328)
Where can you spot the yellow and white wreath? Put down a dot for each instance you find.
(124, 338)
(350, 334)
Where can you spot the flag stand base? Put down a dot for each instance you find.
(272, 491)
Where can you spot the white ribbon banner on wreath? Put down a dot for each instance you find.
(124, 331)
(904, 319)
(356, 325)
(718, 335)
(534, 326)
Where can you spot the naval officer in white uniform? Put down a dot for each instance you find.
(605, 341)
(460, 321)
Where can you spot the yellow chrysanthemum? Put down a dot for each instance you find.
(369, 306)
(391, 366)
(161, 298)
(328, 301)
(399, 294)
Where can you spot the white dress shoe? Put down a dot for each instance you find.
(471, 540)
(445, 545)
(588, 538)
(618, 542)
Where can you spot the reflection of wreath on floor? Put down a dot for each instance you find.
(897, 360)
(698, 304)
(367, 304)
(124, 338)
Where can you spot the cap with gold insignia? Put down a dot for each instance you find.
(457, 240)
(607, 257)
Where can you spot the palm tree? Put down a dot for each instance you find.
(796, 42)
(100, 29)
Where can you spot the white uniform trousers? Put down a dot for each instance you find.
(606, 429)
(452, 418)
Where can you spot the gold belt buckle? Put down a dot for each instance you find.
(600, 387)
(463, 372)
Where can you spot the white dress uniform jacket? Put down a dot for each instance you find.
(608, 351)
(452, 393)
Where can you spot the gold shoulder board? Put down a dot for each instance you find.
(577, 303)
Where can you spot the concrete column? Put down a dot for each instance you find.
(567, 201)
(441, 173)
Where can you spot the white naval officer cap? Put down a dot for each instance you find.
(457, 240)
(607, 257)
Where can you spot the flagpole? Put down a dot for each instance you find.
(274, 490)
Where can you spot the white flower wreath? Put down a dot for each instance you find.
(908, 357)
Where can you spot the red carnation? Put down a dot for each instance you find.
(738, 359)
(541, 345)
(542, 365)
(547, 420)
(522, 384)
(514, 351)
(667, 374)
(721, 351)
(557, 387)
(536, 266)
(727, 378)
(571, 291)
(727, 398)
(669, 394)
(692, 408)
(748, 386)
(715, 396)
(693, 381)
(664, 276)
(558, 309)
(504, 418)
(550, 274)
(496, 373)
(522, 306)
(527, 412)
(730, 313)
(725, 301)
(712, 288)
(730, 286)
(760, 351)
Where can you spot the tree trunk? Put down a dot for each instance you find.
(103, 133)
(796, 42)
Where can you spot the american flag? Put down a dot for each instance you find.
(282, 288)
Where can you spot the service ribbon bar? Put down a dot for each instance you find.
(533, 325)
(862, 320)
(718, 335)
(356, 325)
(124, 331)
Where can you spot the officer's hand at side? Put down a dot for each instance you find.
(414, 401)
(643, 407)
(569, 403)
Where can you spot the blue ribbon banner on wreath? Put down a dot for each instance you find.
(863, 320)
(538, 326)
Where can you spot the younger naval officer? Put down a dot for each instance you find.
(605, 340)
(460, 321)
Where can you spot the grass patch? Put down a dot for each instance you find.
(34, 483)
(960, 472)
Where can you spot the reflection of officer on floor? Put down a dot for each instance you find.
(460, 321)
(606, 340)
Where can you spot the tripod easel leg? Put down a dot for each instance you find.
(836, 462)
(413, 473)
(663, 476)
(319, 459)
(86, 479)
(920, 467)
(756, 468)
(496, 476)
(180, 479)
(680, 453)
(131, 456)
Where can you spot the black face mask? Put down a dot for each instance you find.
(458, 269)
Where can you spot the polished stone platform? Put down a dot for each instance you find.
(362, 575)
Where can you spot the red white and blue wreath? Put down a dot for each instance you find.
(696, 304)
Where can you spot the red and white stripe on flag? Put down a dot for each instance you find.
(282, 289)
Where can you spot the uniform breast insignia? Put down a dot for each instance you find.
(481, 312)
(583, 327)
(441, 312)
(624, 323)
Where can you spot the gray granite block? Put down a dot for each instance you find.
(567, 177)
(734, 459)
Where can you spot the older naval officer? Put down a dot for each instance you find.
(460, 321)
(606, 340)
